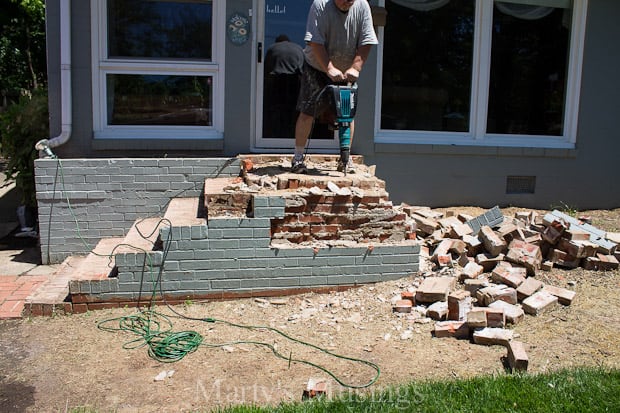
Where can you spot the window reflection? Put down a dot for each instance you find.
(529, 62)
(159, 29)
(159, 100)
(428, 52)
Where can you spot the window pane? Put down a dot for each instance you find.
(159, 29)
(159, 100)
(529, 61)
(427, 66)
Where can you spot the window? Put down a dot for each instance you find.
(157, 69)
(481, 72)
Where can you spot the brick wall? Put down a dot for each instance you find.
(91, 199)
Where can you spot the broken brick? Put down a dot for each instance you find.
(495, 316)
(459, 304)
(601, 263)
(493, 293)
(504, 273)
(402, 306)
(471, 270)
(562, 259)
(526, 255)
(438, 311)
(564, 295)
(488, 262)
(492, 242)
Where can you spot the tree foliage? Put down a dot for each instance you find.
(22, 48)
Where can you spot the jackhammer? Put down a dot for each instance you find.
(345, 104)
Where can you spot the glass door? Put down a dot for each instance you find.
(279, 65)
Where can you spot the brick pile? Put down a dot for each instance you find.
(483, 271)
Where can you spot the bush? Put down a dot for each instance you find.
(21, 126)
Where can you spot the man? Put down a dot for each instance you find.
(339, 36)
(284, 61)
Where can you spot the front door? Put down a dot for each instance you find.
(278, 83)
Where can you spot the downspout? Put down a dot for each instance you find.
(65, 76)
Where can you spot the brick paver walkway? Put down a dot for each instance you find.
(13, 292)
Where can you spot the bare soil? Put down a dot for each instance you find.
(55, 364)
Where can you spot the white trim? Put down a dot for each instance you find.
(480, 80)
(101, 66)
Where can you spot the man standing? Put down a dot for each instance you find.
(284, 61)
(339, 35)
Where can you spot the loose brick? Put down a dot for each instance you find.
(492, 242)
(513, 313)
(442, 249)
(601, 263)
(505, 273)
(539, 303)
(459, 304)
(408, 295)
(495, 317)
(517, 356)
(477, 318)
(528, 288)
(402, 306)
(474, 285)
(471, 270)
(474, 246)
(460, 230)
(488, 262)
(526, 255)
(435, 289)
(562, 259)
(565, 296)
(577, 248)
(493, 293)
(438, 311)
(456, 329)
(493, 336)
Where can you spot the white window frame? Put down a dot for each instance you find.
(481, 72)
(102, 66)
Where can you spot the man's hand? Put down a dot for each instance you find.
(335, 74)
(352, 75)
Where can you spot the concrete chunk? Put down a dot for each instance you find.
(435, 289)
(539, 303)
(493, 336)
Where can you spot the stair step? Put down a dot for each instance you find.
(56, 288)
(98, 264)
(141, 236)
(183, 212)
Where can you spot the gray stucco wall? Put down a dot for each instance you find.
(583, 178)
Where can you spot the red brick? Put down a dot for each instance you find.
(517, 357)
(456, 329)
(459, 304)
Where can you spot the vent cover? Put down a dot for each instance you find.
(520, 184)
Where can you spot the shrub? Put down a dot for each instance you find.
(21, 126)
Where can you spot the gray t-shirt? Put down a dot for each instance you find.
(340, 32)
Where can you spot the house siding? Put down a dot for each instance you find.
(433, 175)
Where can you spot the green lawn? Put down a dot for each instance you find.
(574, 390)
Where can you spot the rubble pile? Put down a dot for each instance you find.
(482, 274)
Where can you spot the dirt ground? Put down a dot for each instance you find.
(54, 364)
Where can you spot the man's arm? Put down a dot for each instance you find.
(353, 73)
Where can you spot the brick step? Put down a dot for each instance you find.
(51, 295)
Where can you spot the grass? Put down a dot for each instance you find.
(571, 390)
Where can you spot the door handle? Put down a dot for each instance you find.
(260, 52)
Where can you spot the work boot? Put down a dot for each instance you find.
(349, 169)
(298, 166)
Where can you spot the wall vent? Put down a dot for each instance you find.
(520, 184)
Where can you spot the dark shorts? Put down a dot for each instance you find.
(310, 100)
